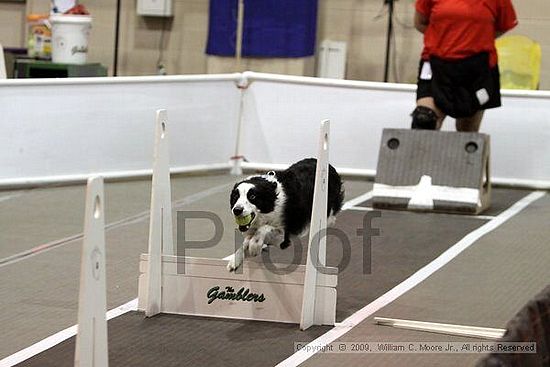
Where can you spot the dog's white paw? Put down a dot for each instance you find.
(255, 246)
(234, 261)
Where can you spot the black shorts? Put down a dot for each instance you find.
(461, 88)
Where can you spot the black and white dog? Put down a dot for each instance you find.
(271, 208)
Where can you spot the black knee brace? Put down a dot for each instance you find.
(424, 118)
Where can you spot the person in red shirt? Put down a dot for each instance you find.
(458, 74)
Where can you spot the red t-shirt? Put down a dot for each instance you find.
(461, 28)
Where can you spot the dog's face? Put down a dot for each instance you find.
(251, 198)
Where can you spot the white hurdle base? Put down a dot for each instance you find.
(188, 294)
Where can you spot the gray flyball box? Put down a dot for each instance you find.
(438, 171)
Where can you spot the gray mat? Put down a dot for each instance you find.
(407, 242)
(485, 285)
(168, 340)
(39, 294)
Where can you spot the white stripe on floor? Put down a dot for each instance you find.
(10, 196)
(358, 200)
(342, 328)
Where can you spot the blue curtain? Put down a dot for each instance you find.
(272, 28)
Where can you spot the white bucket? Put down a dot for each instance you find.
(70, 38)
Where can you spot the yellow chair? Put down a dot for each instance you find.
(519, 60)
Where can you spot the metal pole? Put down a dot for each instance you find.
(388, 39)
(117, 27)
(239, 36)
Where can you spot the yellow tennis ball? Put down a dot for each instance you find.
(243, 221)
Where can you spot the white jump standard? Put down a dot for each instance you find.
(91, 340)
(306, 296)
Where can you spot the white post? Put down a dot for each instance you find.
(91, 341)
(161, 240)
(236, 168)
(316, 252)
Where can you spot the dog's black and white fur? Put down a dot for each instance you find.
(280, 204)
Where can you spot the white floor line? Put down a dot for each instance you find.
(117, 224)
(483, 217)
(357, 200)
(359, 316)
(361, 208)
(10, 196)
(61, 336)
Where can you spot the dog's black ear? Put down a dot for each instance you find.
(234, 196)
(263, 195)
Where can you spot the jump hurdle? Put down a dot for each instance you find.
(307, 296)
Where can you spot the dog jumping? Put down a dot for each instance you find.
(270, 209)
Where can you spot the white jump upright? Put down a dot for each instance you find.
(161, 240)
(204, 287)
(91, 340)
(317, 248)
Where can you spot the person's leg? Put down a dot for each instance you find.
(428, 102)
(426, 115)
(470, 124)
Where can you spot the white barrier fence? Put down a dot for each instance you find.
(66, 130)
(281, 111)
(48, 125)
